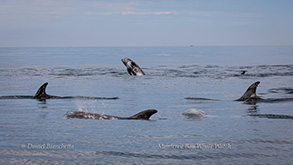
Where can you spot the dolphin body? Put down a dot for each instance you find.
(144, 115)
(42, 95)
(250, 94)
(132, 67)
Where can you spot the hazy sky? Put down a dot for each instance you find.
(145, 22)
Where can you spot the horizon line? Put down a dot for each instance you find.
(191, 45)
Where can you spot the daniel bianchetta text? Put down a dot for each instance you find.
(47, 146)
(196, 146)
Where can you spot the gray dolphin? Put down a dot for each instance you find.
(144, 115)
(132, 67)
(250, 94)
(42, 95)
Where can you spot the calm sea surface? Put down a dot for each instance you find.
(37, 132)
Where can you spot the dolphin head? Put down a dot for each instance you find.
(126, 61)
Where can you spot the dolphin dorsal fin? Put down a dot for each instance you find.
(250, 92)
(41, 91)
(144, 115)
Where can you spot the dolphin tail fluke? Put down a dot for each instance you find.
(144, 115)
(41, 91)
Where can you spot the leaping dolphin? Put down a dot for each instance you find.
(250, 94)
(144, 115)
(132, 67)
(42, 95)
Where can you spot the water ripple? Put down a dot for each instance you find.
(188, 71)
(197, 156)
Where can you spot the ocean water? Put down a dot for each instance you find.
(177, 79)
